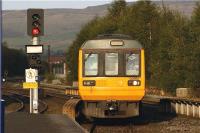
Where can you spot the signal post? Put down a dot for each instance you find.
(35, 29)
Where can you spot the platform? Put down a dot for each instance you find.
(41, 123)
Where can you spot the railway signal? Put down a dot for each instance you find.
(35, 22)
(35, 29)
(35, 61)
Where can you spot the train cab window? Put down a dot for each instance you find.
(111, 64)
(91, 64)
(132, 64)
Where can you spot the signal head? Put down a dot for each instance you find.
(35, 22)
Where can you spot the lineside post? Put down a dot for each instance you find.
(34, 92)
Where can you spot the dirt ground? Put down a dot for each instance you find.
(54, 105)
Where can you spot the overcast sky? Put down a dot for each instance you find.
(76, 4)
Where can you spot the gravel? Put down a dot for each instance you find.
(152, 121)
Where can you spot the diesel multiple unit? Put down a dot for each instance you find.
(111, 76)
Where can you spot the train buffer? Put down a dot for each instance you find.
(20, 122)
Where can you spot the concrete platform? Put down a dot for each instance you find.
(40, 123)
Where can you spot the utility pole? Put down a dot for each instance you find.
(49, 55)
(150, 32)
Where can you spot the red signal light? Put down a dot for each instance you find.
(35, 31)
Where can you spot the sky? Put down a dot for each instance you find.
(46, 4)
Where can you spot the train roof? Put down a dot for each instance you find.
(107, 44)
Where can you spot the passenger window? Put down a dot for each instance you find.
(132, 64)
(91, 64)
(111, 64)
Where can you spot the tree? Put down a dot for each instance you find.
(141, 23)
(13, 61)
(193, 63)
(117, 8)
(171, 41)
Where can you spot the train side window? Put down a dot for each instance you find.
(132, 64)
(91, 64)
(111, 64)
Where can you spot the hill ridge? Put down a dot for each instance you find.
(62, 25)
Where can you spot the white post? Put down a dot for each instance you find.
(35, 41)
(31, 76)
(31, 101)
(187, 110)
(182, 108)
(34, 92)
(193, 110)
(176, 108)
(35, 99)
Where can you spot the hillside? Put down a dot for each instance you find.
(62, 25)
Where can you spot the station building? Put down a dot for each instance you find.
(58, 66)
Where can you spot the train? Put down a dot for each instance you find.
(111, 76)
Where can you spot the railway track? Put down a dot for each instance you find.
(112, 129)
(150, 120)
(61, 96)
(107, 126)
(70, 108)
(189, 107)
(70, 94)
(149, 108)
(18, 104)
(24, 101)
(69, 91)
(150, 115)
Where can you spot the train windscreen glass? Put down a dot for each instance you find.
(132, 64)
(111, 64)
(91, 64)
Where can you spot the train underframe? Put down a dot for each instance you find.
(110, 109)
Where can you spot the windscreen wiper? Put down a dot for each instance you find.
(88, 57)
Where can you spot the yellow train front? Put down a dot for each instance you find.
(111, 76)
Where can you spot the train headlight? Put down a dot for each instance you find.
(89, 82)
(134, 83)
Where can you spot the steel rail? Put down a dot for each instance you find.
(44, 107)
(21, 104)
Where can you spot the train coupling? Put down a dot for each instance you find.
(112, 108)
